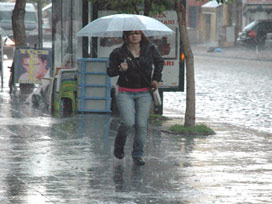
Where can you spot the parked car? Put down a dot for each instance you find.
(254, 34)
(8, 44)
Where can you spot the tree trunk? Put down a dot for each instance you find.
(189, 62)
(18, 25)
(147, 7)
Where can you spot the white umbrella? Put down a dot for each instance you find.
(114, 25)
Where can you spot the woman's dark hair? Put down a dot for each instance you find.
(24, 55)
(42, 57)
(126, 34)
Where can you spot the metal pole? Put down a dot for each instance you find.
(94, 39)
(85, 20)
(40, 37)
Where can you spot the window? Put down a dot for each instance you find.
(193, 16)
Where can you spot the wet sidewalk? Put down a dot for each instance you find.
(47, 160)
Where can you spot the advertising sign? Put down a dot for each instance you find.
(167, 46)
(31, 65)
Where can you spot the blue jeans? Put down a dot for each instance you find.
(134, 109)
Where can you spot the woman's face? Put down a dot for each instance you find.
(134, 37)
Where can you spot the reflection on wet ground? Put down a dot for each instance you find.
(47, 160)
(69, 160)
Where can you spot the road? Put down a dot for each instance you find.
(234, 91)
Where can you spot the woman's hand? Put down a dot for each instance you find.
(154, 85)
(123, 67)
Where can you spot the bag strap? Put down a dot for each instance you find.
(137, 68)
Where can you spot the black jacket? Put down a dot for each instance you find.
(138, 74)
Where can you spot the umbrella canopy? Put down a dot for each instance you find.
(114, 25)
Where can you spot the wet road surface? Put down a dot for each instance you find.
(235, 91)
(47, 160)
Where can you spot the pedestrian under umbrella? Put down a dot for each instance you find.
(133, 63)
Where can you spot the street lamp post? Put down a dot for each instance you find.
(40, 37)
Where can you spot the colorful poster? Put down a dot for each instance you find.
(31, 65)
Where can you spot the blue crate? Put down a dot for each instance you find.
(93, 85)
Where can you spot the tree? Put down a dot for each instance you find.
(189, 61)
(148, 7)
(18, 25)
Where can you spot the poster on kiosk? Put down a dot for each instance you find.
(167, 46)
(31, 65)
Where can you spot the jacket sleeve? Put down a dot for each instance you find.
(114, 62)
(158, 64)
